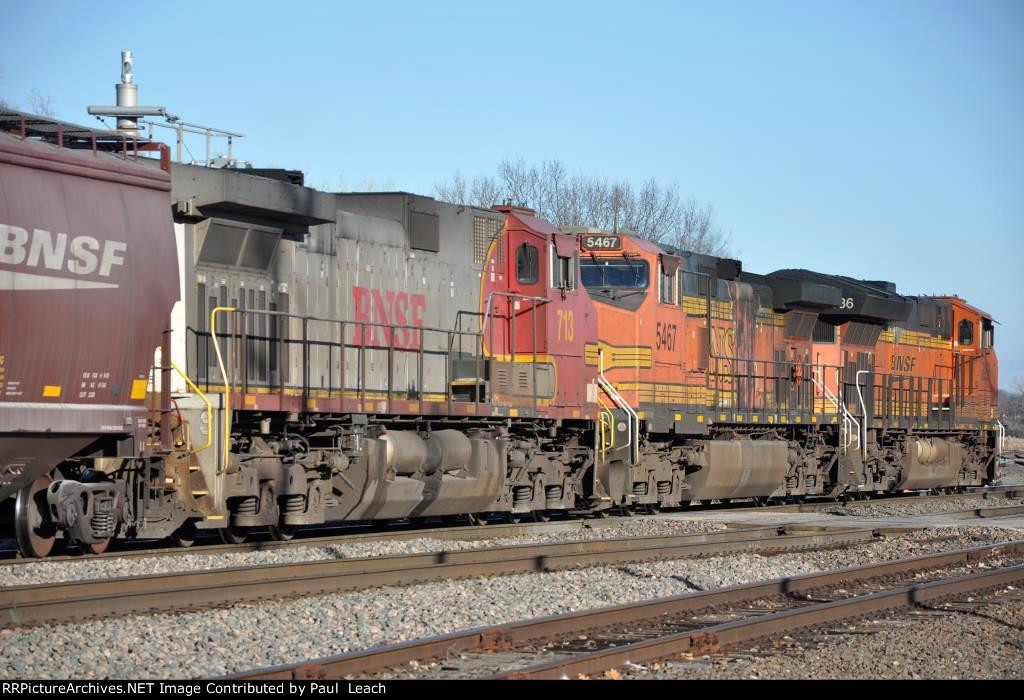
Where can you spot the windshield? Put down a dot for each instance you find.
(613, 273)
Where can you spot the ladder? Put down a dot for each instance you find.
(849, 430)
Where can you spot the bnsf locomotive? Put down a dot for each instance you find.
(337, 357)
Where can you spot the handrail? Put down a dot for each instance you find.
(848, 418)
(604, 443)
(864, 415)
(1000, 439)
(209, 409)
(634, 419)
(509, 295)
(227, 389)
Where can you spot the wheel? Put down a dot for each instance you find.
(282, 532)
(541, 516)
(513, 518)
(651, 509)
(32, 527)
(97, 548)
(184, 536)
(477, 519)
(232, 535)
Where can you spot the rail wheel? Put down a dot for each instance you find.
(232, 534)
(477, 519)
(282, 532)
(184, 536)
(513, 518)
(652, 508)
(33, 530)
(541, 516)
(96, 547)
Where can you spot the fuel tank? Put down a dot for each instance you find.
(738, 469)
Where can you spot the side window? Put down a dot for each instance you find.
(527, 264)
(563, 271)
(965, 332)
(666, 286)
(987, 334)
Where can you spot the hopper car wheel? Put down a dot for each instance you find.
(184, 536)
(478, 519)
(97, 547)
(541, 516)
(282, 532)
(513, 518)
(33, 530)
(652, 509)
(232, 535)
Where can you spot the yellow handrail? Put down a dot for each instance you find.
(605, 426)
(209, 409)
(227, 389)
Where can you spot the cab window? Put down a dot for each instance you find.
(527, 264)
(666, 286)
(965, 332)
(614, 273)
(987, 334)
(563, 271)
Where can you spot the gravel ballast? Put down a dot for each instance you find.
(904, 507)
(215, 642)
(980, 643)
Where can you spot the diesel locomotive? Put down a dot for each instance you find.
(188, 348)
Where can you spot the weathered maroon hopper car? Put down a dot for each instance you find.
(88, 275)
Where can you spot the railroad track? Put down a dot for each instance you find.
(1015, 456)
(984, 492)
(72, 601)
(469, 532)
(593, 641)
(447, 532)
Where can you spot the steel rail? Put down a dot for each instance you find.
(77, 600)
(876, 499)
(442, 532)
(715, 637)
(504, 636)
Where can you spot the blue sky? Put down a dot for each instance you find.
(874, 139)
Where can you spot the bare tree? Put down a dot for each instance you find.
(654, 211)
(453, 191)
(4, 104)
(698, 231)
(41, 104)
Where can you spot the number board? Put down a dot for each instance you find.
(600, 242)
